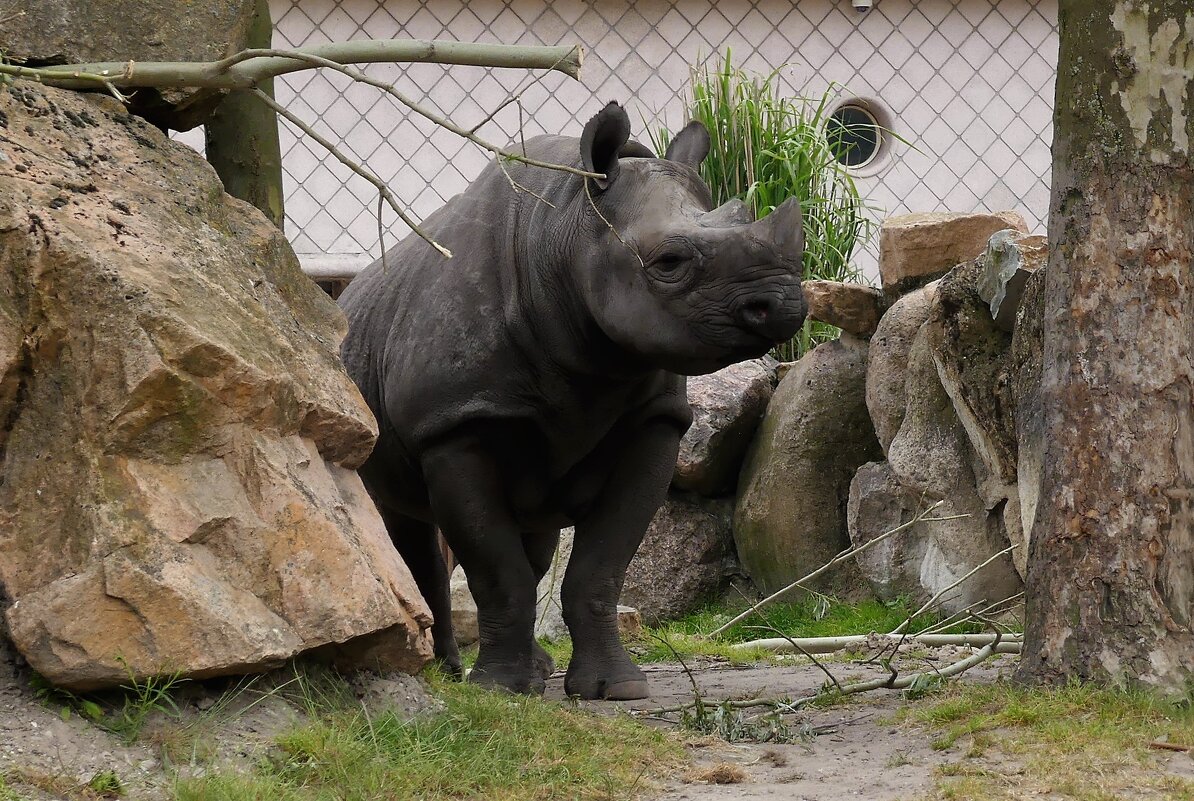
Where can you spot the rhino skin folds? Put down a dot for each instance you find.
(536, 379)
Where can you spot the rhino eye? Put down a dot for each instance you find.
(670, 260)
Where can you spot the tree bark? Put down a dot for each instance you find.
(1111, 568)
(242, 137)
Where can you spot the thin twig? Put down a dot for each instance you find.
(929, 603)
(610, 226)
(438, 119)
(352, 165)
(891, 681)
(841, 557)
(827, 645)
(381, 230)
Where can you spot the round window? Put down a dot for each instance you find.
(855, 136)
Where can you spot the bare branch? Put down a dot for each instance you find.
(352, 165)
(827, 645)
(929, 603)
(849, 553)
(242, 71)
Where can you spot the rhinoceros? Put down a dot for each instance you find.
(537, 379)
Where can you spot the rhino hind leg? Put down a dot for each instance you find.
(540, 548)
(418, 544)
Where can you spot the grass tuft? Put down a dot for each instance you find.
(483, 745)
(1078, 741)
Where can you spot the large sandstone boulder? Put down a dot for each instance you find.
(726, 409)
(176, 485)
(686, 558)
(915, 248)
(887, 360)
(791, 510)
(854, 308)
(49, 32)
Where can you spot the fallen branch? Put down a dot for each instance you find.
(921, 516)
(1010, 643)
(893, 681)
(963, 616)
(241, 72)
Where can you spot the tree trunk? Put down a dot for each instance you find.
(242, 137)
(1111, 569)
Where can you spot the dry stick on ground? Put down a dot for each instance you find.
(796, 647)
(921, 516)
(892, 681)
(827, 645)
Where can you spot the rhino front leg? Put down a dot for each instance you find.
(606, 540)
(469, 504)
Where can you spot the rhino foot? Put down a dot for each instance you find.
(542, 662)
(518, 681)
(625, 684)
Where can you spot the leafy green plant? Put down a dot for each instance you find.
(106, 784)
(767, 147)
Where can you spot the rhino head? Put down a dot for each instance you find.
(686, 287)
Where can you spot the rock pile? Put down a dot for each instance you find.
(952, 388)
(177, 491)
(932, 399)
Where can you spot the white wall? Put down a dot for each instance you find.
(969, 85)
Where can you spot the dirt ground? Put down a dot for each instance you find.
(852, 751)
(848, 751)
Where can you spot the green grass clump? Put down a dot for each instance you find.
(484, 745)
(768, 147)
(810, 617)
(1078, 741)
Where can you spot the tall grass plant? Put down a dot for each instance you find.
(768, 146)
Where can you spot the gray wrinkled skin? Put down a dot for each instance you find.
(536, 380)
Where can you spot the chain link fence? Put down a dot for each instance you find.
(967, 85)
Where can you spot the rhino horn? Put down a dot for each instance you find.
(784, 228)
(727, 215)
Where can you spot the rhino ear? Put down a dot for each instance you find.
(690, 146)
(603, 137)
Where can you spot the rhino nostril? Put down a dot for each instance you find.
(757, 312)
